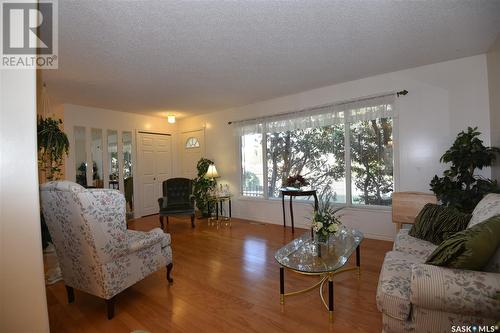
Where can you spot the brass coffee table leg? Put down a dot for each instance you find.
(328, 306)
(282, 285)
(330, 296)
(358, 261)
(324, 277)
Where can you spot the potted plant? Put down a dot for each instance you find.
(53, 144)
(460, 187)
(325, 223)
(202, 186)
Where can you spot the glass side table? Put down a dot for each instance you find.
(222, 217)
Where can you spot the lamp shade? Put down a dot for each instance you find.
(212, 172)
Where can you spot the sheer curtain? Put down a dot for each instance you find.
(327, 115)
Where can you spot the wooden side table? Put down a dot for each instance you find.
(407, 205)
(292, 194)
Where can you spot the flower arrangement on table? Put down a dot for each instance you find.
(325, 222)
(296, 181)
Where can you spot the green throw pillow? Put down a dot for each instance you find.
(436, 223)
(471, 248)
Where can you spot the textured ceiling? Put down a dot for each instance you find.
(199, 56)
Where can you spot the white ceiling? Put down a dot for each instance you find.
(199, 56)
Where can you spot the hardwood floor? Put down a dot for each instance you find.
(226, 281)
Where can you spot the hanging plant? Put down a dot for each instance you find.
(53, 144)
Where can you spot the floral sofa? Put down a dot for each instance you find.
(96, 252)
(416, 297)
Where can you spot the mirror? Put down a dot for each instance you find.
(128, 181)
(80, 155)
(96, 156)
(114, 169)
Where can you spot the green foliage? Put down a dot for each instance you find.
(460, 187)
(203, 185)
(371, 160)
(319, 155)
(250, 180)
(308, 152)
(53, 144)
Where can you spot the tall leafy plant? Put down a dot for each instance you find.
(460, 187)
(53, 144)
(202, 185)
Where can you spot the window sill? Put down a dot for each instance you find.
(365, 208)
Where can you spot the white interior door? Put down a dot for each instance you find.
(163, 147)
(192, 147)
(154, 166)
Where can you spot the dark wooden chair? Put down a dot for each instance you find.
(177, 200)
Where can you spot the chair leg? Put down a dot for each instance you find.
(192, 221)
(71, 294)
(161, 222)
(169, 272)
(110, 307)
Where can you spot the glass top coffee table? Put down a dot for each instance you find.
(301, 256)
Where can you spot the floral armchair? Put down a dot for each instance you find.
(96, 252)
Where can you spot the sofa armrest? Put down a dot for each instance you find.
(138, 240)
(456, 291)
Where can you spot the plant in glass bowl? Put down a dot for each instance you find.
(296, 181)
(325, 222)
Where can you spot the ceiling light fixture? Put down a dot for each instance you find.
(171, 118)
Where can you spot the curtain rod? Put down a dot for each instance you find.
(398, 94)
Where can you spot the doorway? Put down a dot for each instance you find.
(154, 166)
(192, 148)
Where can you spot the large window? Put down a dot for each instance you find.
(346, 154)
(372, 180)
(252, 163)
(315, 153)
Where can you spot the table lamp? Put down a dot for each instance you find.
(212, 172)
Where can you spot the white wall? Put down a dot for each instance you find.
(23, 305)
(494, 85)
(443, 99)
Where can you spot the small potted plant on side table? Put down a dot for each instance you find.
(325, 224)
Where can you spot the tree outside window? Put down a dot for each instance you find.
(319, 154)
